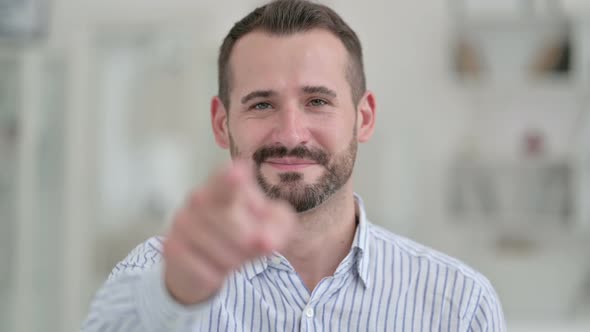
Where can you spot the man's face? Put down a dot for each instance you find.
(292, 114)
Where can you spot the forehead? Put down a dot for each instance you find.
(261, 60)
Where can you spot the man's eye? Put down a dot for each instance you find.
(261, 106)
(317, 102)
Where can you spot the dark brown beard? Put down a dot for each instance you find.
(304, 197)
(290, 177)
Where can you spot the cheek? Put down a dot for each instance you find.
(247, 136)
(334, 136)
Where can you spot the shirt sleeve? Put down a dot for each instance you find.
(134, 298)
(487, 314)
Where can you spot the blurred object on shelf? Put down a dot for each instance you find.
(472, 194)
(555, 57)
(533, 41)
(467, 60)
(515, 244)
(534, 143)
(22, 21)
(513, 195)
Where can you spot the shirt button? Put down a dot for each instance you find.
(309, 312)
(276, 260)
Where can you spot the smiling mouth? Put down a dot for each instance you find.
(290, 164)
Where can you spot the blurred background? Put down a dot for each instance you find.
(482, 145)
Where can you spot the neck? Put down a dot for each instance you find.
(322, 238)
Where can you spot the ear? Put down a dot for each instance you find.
(219, 119)
(366, 117)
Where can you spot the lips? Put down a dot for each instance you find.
(290, 163)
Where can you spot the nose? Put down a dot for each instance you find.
(291, 127)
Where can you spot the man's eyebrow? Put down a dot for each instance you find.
(258, 94)
(319, 89)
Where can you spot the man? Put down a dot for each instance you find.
(278, 241)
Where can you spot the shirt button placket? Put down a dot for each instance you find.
(309, 312)
(307, 318)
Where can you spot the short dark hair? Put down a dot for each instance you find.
(285, 17)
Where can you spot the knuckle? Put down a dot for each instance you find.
(209, 278)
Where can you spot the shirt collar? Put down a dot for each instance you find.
(360, 244)
(359, 250)
(255, 267)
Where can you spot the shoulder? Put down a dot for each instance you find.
(475, 299)
(419, 254)
(141, 257)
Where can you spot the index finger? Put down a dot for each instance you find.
(234, 182)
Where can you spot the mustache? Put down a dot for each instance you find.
(281, 151)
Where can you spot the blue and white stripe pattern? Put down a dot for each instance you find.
(386, 283)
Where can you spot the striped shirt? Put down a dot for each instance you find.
(385, 283)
